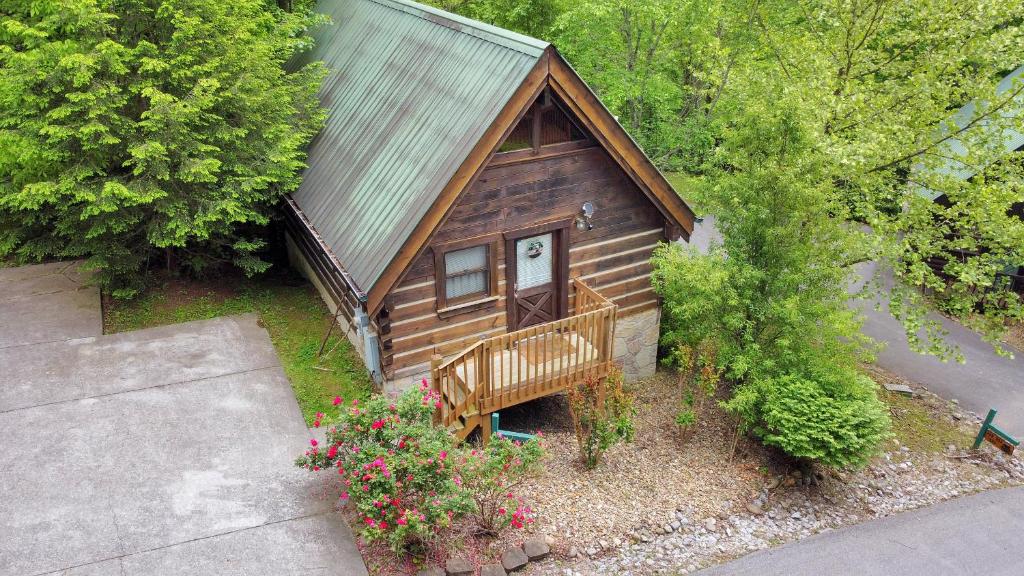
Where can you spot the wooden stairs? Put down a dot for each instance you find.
(467, 419)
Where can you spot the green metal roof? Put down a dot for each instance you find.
(411, 90)
(954, 151)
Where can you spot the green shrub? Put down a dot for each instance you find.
(699, 377)
(838, 422)
(602, 415)
(686, 418)
(772, 297)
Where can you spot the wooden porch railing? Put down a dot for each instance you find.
(512, 368)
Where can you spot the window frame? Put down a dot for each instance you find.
(449, 306)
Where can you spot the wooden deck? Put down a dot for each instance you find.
(512, 368)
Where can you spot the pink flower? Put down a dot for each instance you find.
(383, 525)
(313, 442)
(443, 455)
(402, 521)
(355, 402)
(337, 400)
(332, 452)
(437, 404)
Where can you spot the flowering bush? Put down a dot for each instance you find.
(407, 479)
(602, 414)
(490, 477)
(394, 466)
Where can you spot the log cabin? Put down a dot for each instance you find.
(473, 214)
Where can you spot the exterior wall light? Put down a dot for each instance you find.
(583, 220)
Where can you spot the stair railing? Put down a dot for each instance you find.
(512, 368)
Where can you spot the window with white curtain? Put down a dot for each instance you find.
(466, 273)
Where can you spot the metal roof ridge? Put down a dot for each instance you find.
(487, 32)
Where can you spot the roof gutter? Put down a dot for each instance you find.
(349, 281)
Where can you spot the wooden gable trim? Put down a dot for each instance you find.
(575, 93)
(551, 70)
(464, 177)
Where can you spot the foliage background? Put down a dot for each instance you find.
(132, 130)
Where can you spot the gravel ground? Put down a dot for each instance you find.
(649, 478)
(666, 506)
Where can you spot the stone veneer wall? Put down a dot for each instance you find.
(636, 343)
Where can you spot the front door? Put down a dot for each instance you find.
(535, 265)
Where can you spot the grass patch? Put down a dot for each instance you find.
(289, 308)
(921, 427)
(693, 189)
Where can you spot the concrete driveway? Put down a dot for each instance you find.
(162, 451)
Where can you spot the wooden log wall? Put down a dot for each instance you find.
(613, 257)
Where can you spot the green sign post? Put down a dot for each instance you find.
(994, 435)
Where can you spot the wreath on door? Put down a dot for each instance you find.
(534, 248)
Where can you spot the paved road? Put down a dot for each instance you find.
(985, 380)
(977, 534)
(157, 452)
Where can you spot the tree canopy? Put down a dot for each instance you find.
(139, 129)
(879, 81)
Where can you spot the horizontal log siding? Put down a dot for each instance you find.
(613, 257)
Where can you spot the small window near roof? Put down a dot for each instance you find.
(521, 136)
(464, 274)
(556, 127)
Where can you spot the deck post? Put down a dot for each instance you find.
(486, 429)
(435, 382)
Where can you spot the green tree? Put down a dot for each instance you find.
(530, 17)
(659, 65)
(773, 295)
(140, 129)
(881, 79)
